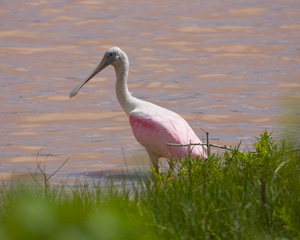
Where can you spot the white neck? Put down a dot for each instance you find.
(125, 99)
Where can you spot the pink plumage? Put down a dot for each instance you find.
(154, 129)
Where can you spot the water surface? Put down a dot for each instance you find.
(228, 67)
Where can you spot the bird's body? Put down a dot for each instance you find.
(153, 126)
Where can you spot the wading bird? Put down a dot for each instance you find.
(153, 126)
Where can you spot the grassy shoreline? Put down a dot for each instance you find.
(234, 195)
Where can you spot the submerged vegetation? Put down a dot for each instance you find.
(234, 195)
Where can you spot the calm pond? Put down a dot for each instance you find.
(231, 68)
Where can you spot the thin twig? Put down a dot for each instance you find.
(264, 202)
(222, 147)
(43, 173)
(236, 149)
(58, 168)
(201, 144)
(207, 144)
(34, 178)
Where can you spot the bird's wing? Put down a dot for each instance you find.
(155, 129)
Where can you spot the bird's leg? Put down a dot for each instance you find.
(154, 159)
(171, 165)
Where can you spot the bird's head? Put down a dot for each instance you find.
(113, 56)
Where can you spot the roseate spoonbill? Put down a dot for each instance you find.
(153, 126)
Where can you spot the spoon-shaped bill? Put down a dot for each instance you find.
(103, 64)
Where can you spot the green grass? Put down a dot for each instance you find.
(235, 195)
